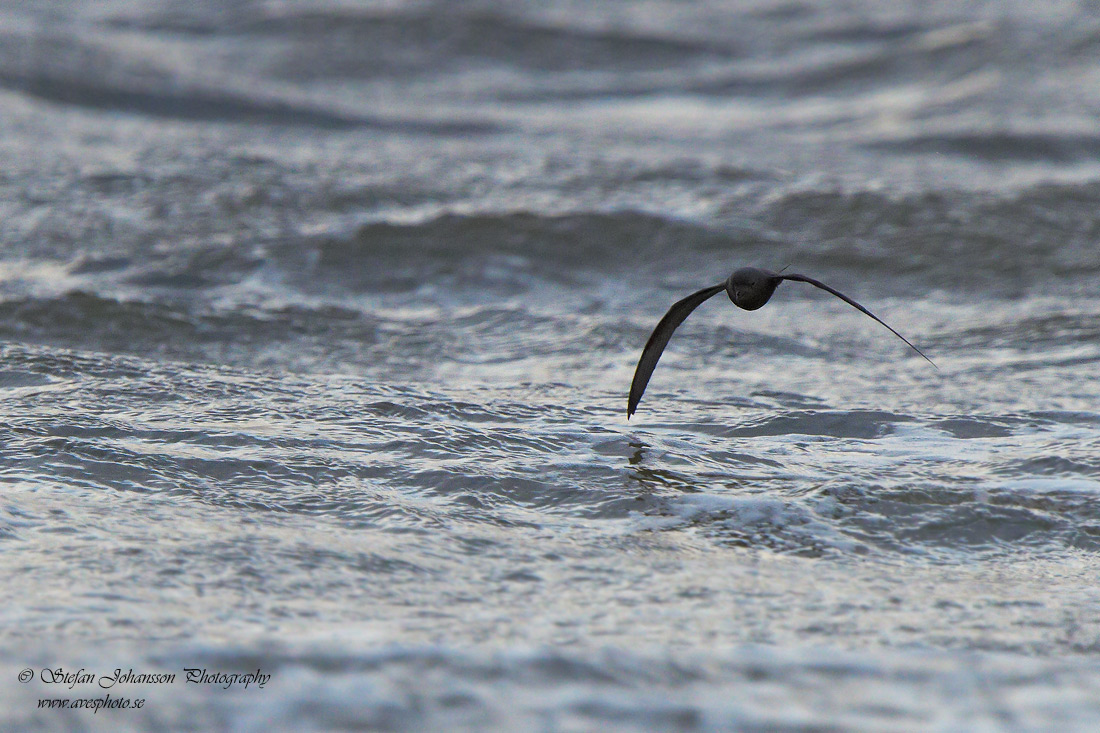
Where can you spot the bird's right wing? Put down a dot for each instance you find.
(659, 338)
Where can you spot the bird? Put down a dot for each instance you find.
(749, 288)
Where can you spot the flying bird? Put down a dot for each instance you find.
(748, 288)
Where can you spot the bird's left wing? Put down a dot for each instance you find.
(849, 301)
(659, 338)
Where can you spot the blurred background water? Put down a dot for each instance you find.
(318, 320)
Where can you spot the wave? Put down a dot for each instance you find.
(973, 244)
(941, 241)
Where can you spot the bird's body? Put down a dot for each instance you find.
(748, 288)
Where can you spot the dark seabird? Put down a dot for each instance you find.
(748, 288)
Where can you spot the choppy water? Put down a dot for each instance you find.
(318, 319)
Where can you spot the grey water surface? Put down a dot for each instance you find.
(317, 321)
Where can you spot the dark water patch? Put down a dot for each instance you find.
(341, 43)
(788, 400)
(196, 105)
(1038, 147)
(973, 427)
(499, 250)
(784, 11)
(1066, 417)
(851, 424)
(177, 331)
(864, 30)
(16, 379)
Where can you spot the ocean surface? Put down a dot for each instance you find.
(317, 322)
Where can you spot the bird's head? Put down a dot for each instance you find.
(751, 287)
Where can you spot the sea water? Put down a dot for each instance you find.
(317, 322)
